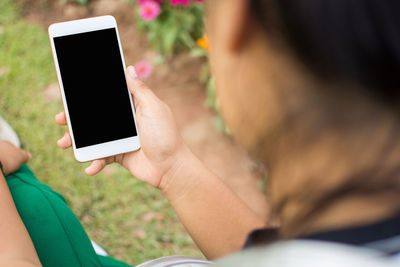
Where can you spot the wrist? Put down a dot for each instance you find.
(182, 177)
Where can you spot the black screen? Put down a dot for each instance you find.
(95, 88)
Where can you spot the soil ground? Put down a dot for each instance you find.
(175, 82)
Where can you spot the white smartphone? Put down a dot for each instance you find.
(91, 72)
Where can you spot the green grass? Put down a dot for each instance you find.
(131, 220)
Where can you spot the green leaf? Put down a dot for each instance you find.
(169, 39)
(198, 52)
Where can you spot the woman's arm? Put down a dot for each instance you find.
(16, 247)
(216, 218)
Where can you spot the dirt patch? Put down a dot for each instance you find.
(175, 82)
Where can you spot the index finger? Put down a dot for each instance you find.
(61, 119)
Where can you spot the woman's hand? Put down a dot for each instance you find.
(161, 144)
(12, 157)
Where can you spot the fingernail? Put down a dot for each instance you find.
(132, 71)
(29, 156)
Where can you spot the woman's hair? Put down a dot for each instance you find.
(341, 40)
(347, 43)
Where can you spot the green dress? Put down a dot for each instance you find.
(56, 232)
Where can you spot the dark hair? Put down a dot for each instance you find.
(341, 40)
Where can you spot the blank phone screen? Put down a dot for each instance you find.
(95, 88)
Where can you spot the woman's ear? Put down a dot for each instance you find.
(238, 29)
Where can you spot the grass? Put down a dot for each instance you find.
(131, 220)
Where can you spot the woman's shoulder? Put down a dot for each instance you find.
(308, 253)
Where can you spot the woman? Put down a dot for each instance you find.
(310, 88)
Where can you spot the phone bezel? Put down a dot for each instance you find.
(101, 150)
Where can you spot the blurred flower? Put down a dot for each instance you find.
(183, 2)
(204, 42)
(143, 69)
(141, 2)
(149, 9)
(180, 2)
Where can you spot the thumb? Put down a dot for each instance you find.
(25, 156)
(137, 88)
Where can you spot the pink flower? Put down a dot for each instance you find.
(180, 2)
(143, 69)
(149, 10)
(141, 2)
